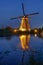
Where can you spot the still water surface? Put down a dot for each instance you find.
(21, 50)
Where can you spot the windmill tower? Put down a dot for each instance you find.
(25, 26)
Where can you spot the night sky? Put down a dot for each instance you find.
(13, 8)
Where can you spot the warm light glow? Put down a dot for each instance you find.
(15, 30)
(25, 26)
(24, 41)
(23, 29)
(35, 30)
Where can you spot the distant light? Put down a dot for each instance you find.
(15, 30)
(35, 35)
(35, 30)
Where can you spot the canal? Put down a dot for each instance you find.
(21, 50)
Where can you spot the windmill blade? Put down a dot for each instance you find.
(15, 17)
(23, 9)
(32, 14)
(24, 16)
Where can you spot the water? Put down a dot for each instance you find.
(21, 50)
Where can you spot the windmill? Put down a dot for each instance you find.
(25, 26)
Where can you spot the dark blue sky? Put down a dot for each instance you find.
(13, 8)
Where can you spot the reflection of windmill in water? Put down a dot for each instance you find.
(25, 39)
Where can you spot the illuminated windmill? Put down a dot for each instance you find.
(25, 26)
